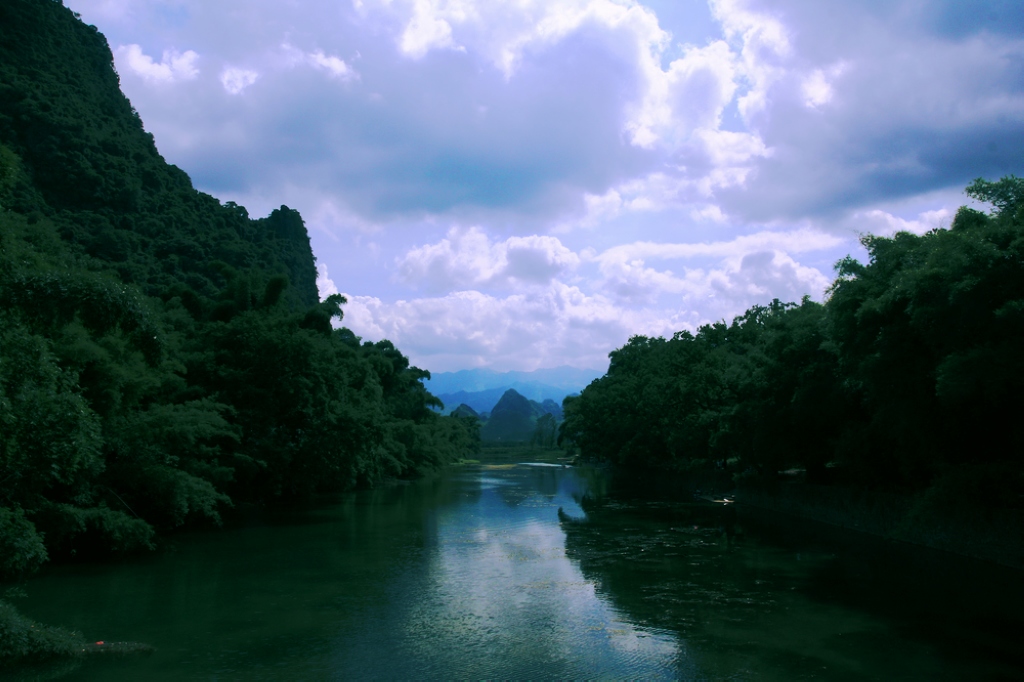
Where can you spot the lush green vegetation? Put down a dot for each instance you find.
(907, 378)
(163, 356)
(25, 641)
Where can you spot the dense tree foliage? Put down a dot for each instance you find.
(909, 375)
(163, 356)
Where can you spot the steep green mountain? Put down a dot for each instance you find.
(163, 357)
(464, 410)
(515, 419)
(89, 167)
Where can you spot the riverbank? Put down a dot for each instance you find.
(23, 640)
(416, 581)
(965, 529)
(509, 454)
(950, 516)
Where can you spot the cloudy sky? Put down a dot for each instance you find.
(519, 184)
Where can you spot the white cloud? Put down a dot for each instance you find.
(654, 192)
(763, 275)
(559, 325)
(427, 29)
(551, 321)
(330, 217)
(735, 274)
(174, 66)
(817, 90)
(335, 66)
(463, 258)
(679, 101)
(235, 79)
(796, 241)
(597, 210)
(730, 149)
(881, 222)
(709, 212)
(467, 257)
(874, 105)
(673, 103)
(700, 144)
(687, 98)
(560, 144)
(717, 292)
(607, 204)
(537, 258)
(324, 284)
(817, 86)
(764, 44)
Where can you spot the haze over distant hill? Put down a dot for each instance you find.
(481, 389)
(516, 419)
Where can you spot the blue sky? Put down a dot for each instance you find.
(526, 184)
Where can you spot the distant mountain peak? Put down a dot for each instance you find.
(464, 410)
(514, 418)
(481, 389)
(512, 401)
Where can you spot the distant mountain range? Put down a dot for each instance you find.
(516, 419)
(481, 389)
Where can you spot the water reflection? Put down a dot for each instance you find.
(522, 571)
(500, 598)
(775, 599)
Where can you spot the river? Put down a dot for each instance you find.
(474, 573)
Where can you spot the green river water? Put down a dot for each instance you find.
(475, 574)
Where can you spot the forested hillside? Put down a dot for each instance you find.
(907, 378)
(163, 356)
